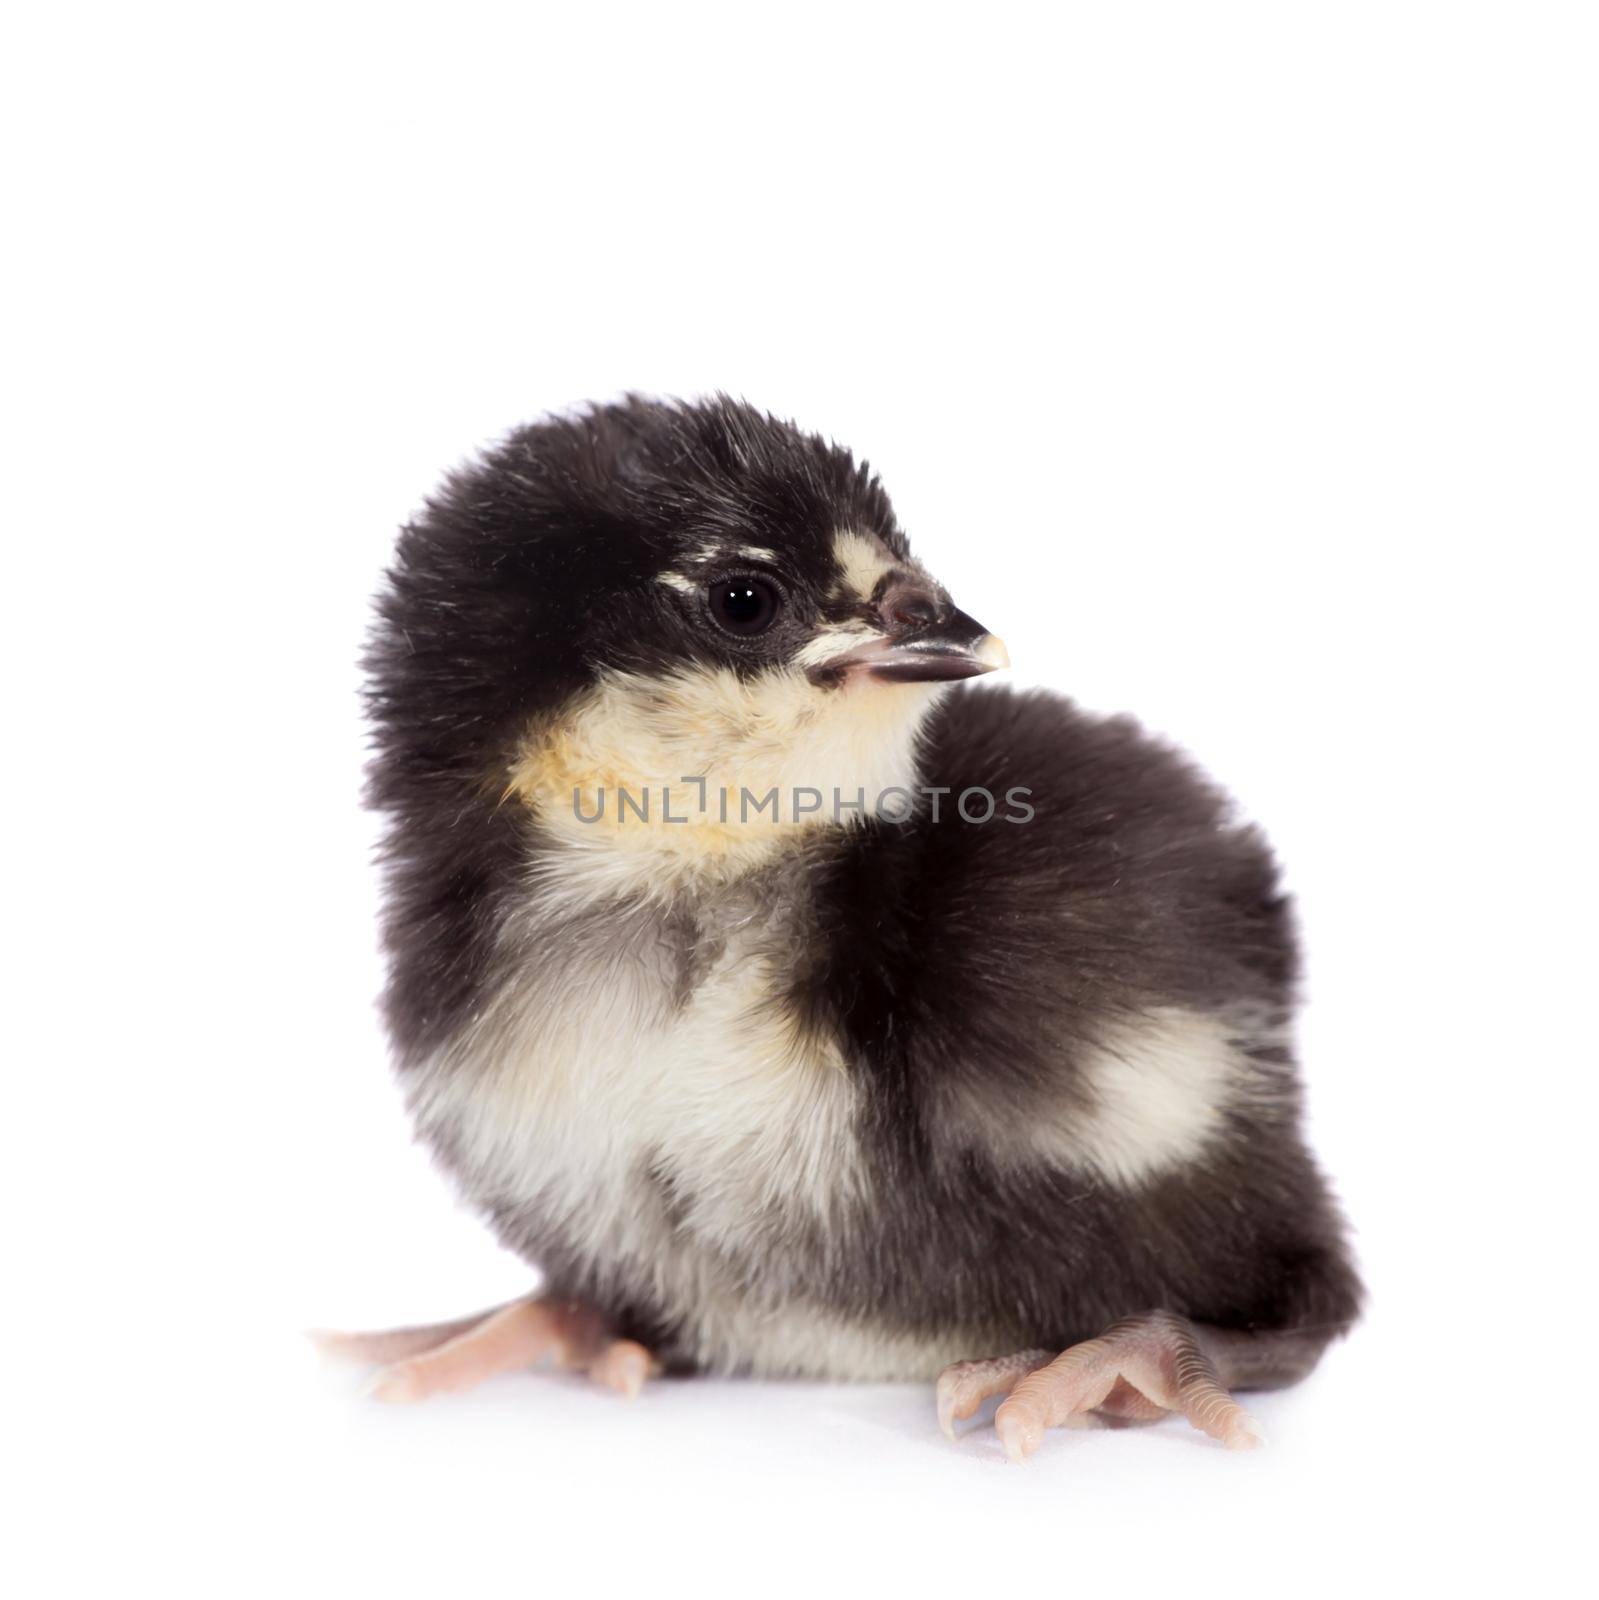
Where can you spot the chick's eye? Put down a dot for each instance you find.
(745, 606)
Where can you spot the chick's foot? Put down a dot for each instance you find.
(1137, 1371)
(415, 1363)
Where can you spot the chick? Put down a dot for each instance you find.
(794, 1009)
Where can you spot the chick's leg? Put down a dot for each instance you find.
(418, 1362)
(1136, 1371)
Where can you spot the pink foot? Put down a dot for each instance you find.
(419, 1362)
(1136, 1371)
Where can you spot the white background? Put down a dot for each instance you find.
(1237, 363)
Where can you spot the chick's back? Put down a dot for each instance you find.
(1074, 1028)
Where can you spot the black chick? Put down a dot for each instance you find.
(795, 1012)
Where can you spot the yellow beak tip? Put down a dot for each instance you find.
(991, 651)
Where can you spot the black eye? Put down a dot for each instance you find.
(745, 606)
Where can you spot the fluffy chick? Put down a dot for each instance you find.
(973, 1043)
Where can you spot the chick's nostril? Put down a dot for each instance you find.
(909, 605)
(914, 613)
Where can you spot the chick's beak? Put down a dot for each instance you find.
(916, 635)
(926, 640)
(948, 647)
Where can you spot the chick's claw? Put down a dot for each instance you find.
(623, 1366)
(1137, 1371)
(963, 1387)
(421, 1362)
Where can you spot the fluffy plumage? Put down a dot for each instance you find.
(837, 1096)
